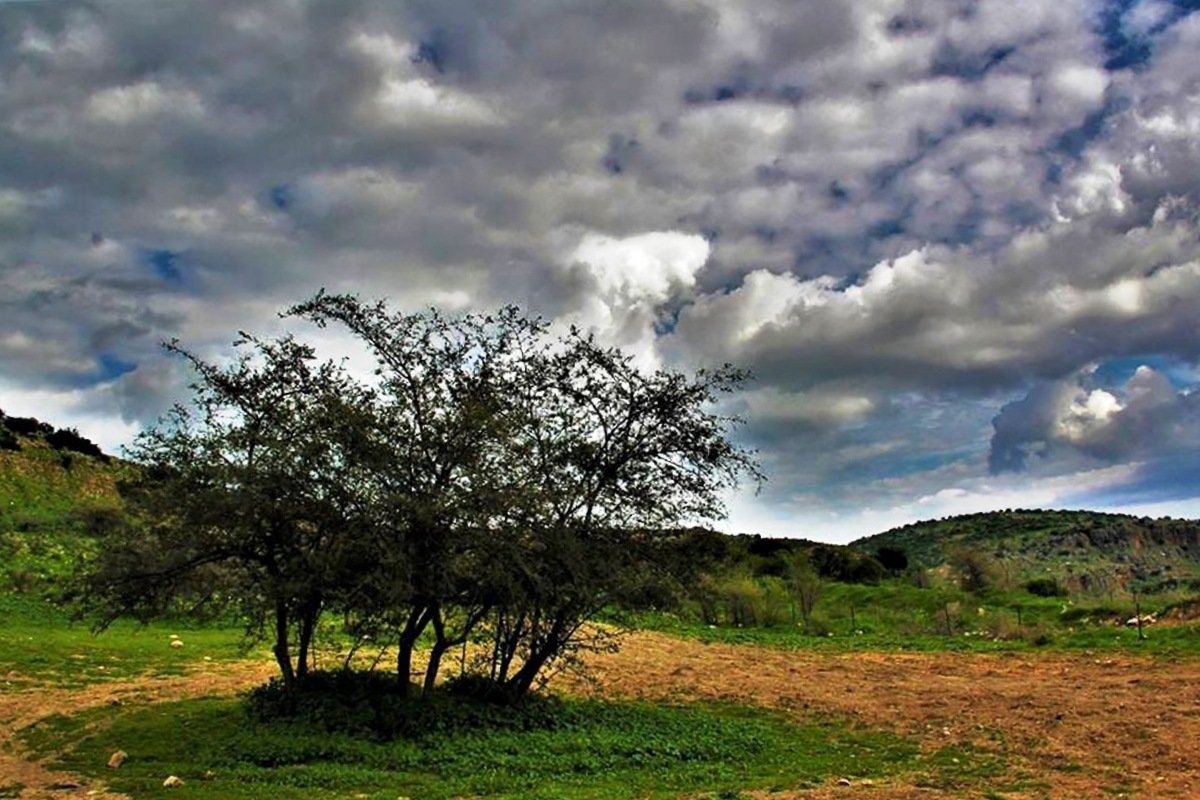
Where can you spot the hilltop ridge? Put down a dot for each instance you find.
(56, 490)
(1078, 547)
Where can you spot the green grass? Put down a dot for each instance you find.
(597, 750)
(39, 644)
(1166, 640)
(51, 505)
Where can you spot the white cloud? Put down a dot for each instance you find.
(123, 105)
(623, 284)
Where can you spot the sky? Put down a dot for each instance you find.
(957, 242)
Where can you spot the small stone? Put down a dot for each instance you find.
(117, 759)
(172, 782)
(176, 644)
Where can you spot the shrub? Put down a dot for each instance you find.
(372, 704)
(893, 559)
(1045, 587)
(69, 439)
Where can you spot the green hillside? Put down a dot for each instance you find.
(1082, 549)
(56, 490)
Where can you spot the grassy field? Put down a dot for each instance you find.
(714, 720)
(39, 644)
(592, 750)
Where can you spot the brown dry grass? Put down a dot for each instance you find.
(1066, 725)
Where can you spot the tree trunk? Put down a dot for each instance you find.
(440, 645)
(308, 625)
(522, 680)
(282, 656)
(418, 618)
(435, 661)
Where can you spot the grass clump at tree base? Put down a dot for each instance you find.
(373, 705)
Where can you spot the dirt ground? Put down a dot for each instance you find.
(23, 708)
(1067, 726)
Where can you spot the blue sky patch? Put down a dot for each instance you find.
(433, 50)
(165, 264)
(112, 367)
(281, 196)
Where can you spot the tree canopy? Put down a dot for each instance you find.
(497, 482)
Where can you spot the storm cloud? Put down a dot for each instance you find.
(957, 242)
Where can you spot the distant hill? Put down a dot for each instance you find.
(56, 489)
(1079, 548)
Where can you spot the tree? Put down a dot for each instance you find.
(495, 482)
(531, 472)
(804, 584)
(893, 559)
(977, 571)
(246, 498)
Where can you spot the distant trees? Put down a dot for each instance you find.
(496, 483)
(893, 559)
(65, 440)
(804, 586)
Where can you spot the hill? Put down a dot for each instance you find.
(56, 490)
(1083, 549)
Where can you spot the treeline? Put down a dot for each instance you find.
(751, 580)
(65, 440)
(494, 484)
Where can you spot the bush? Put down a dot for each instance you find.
(371, 704)
(1045, 587)
(69, 439)
(28, 426)
(893, 559)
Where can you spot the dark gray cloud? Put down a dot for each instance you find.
(904, 215)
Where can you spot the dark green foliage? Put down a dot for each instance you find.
(69, 439)
(65, 440)
(243, 500)
(28, 426)
(1045, 587)
(977, 571)
(373, 704)
(893, 559)
(845, 565)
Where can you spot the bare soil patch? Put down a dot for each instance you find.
(1067, 725)
(23, 708)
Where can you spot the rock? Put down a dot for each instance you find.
(117, 759)
(176, 644)
(172, 782)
